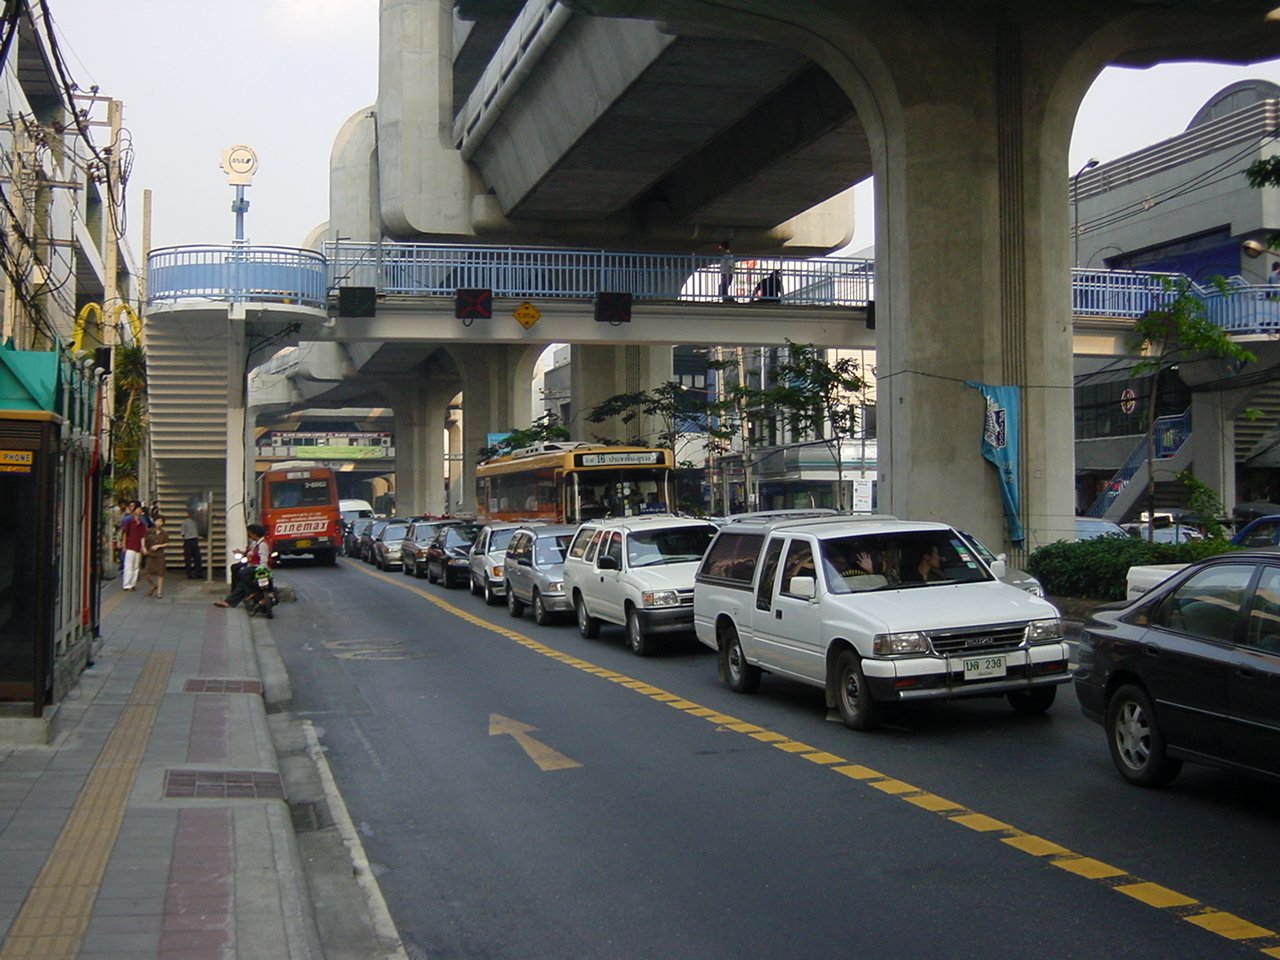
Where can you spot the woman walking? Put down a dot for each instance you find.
(153, 548)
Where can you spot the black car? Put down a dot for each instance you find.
(448, 555)
(1190, 671)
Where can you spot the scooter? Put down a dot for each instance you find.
(262, 596)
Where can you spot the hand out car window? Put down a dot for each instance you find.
(1263, 632)
(1208, 604)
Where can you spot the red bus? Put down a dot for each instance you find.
(298, 504)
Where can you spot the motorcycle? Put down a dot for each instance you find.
(262, 596)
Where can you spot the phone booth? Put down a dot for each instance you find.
(29, 462)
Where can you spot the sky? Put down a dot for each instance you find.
(283, 76)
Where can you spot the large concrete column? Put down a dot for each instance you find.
(1213, 443)
(597, 373)
(239, 470)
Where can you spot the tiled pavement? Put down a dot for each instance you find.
(154, 826)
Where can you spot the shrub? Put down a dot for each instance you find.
(1096, 569)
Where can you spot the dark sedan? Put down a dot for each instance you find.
(448, 555)
(1190, 671)
(413, 550)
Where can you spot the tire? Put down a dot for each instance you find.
(431, 577)
(857, 710)
(742, 677)
(641, 644)
(1032, 701)
(588, 625)
(476, 589)
(490, 598)
(445, 578)
(541, 615)
(405, 567)
(515, 606)
(1137, 746)
(327, 558)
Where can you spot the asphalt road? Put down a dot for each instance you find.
(524, 794)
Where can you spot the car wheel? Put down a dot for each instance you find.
(742, 677)
(490, 597)
(1032, 701)
(853, 699)
(1137, 746)
(588, 625)
(417, 569)
(405, 568)
(431, 577)
(515, 606)
(476, 589)
(445, 578)
(541, 615)
(641, 644)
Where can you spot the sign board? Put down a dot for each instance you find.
(17, 461)
(1128, 400)
(239, 163)
(635, 458)
(527, 314)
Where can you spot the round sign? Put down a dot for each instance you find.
(242, 160)
(1128, 400)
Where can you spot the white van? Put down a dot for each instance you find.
(355, 510)
(874, 610)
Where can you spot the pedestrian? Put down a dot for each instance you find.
(769, 289)
(727, 265)
(191, 559)
(133, 531)
(256, 554)
(153, 545)
(1274, 276)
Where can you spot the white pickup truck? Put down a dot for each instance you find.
(1142, 579)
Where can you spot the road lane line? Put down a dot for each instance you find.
(1176, 905)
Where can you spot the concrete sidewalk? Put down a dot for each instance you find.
(155, 824)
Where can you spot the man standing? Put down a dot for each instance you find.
(190, 534)
(133, 531)
(727, 265)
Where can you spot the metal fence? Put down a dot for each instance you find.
(238, 273)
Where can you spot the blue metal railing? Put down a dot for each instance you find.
(286, 275)
(1170, 434)
(238, 273)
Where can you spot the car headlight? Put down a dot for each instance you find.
(900, 644)
(661, 598)
(1034, 588)
(555, 586)
(1044, 631)
(498, 573)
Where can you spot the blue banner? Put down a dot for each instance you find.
(1000, 446)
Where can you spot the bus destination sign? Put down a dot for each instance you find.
(635, 458)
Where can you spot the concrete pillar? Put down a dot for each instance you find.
(599, 372)
(420, 407)
(1213, 443)
(239, 468)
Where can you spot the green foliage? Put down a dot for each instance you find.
(542, 430)
(1181, 330)
(1204, 503)
(129, 425)
(677, 409)
(1096, 569)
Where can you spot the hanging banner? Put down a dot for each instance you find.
(1000, 446)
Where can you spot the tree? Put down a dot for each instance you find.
(544, 429)
(1177, 332)
(129, 426)
(818, 398)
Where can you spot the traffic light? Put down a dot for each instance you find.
(473, 303)
(357, 302)
(613, 307)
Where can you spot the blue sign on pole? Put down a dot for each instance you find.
(1000, 446)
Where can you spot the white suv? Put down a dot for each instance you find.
(874, 610)
(637, 572)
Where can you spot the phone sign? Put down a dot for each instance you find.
(17, 461)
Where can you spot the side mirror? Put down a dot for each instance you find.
(805, 587)
(607, 563)
(999, 568)
(524, 562)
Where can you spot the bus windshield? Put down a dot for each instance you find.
(299, 493)
(622, 493)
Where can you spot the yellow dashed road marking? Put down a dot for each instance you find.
(1223, 924)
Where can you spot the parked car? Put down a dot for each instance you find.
(874, 610)
(637, 572)
(370, 534)
(351, 536)
(487, 564)
(448, 555)
(534, 571)
(1012, 575)
(413, 548)
(1263, 532)
(386, 545)
(1087, 528)
(1189, 671)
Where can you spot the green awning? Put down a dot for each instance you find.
(28, 380)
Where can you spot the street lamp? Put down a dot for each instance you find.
(1075, 206)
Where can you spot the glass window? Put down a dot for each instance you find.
(1263, 535)
(299, 493)
(394, 531)
(764, 591)
(1207, 605)
(614, 548)
(1263, 632)
(896, 560)
(580, 543)
(649, 548)
(732, 557)
(594, 545)
(799, 564)
(460, 536)
(548, 551)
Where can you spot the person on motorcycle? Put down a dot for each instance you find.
(244, 579)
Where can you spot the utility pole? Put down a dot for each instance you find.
(111, 238)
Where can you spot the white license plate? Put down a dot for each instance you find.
(984, 668)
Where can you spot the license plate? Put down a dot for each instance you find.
(264, 581)
(984, 668)
(304, 543)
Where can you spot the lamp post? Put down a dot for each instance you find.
(1075, 207)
